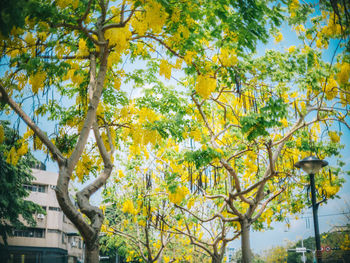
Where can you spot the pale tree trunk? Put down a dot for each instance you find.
(89, 232)
(245, 241)
(89, 229)
(91, 254)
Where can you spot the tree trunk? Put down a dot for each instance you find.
(215, 258)
(245, 241)
(91, 254)
(89, 231)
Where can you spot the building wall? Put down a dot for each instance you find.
(54, 233)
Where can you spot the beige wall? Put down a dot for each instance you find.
(53, 222)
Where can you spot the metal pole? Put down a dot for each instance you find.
(314, 212)
(302, 245)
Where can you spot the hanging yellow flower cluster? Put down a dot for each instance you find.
(278, 37)
(205, 85)
(331, 88)
(334, 137)
(179, 195)
(13, 156)
(165, 69)
(84, 166)
(37, 81)
(333, 28)
(228, 57)
(119, 38)
(153, 18)
(344, 74)
(128, 207)
(83, 49)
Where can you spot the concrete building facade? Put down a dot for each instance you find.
(54, 239)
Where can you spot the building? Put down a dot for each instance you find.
(339, 229)
(54, 239)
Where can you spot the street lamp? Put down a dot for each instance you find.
(311, 165)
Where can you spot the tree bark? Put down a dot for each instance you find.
(216, 259)
(245, 241)
(91, 254)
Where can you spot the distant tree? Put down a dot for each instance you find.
(338, 241)
(13, 205)
(277, 254)
(256, 258)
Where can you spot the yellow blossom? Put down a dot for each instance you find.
(334, 136)
(228, 57)
(344, 74)
(119, 38)
(37, 81)
(319, 43)
(205, 86)
(331, 89)
(2, 134)
(12, 156)
(165, 69)
(189, 57)
(291, 49)
(128, 207)
(278, 37)
(30, 39)
(179, 195)
(83, 49)
(113, 59)
(23, 149)
(299, 29)
(284, 123)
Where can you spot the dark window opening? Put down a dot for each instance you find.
(30, 232)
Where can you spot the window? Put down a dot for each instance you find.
(63, 238)
(41, 188)
(53, 231)
(30, 232)
(79, 243)
(35, 188)
(54, 208)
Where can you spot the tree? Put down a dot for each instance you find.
(277, 254)
(15, 211)
(161, 182)
(256, 258)
(256, 117)
(75, 49)
(143, 221)
(133, 218)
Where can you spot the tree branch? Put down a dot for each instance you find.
(56, 153)
(266, 203)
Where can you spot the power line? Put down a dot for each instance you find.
(335, 214)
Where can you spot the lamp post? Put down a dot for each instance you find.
(311, 165)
